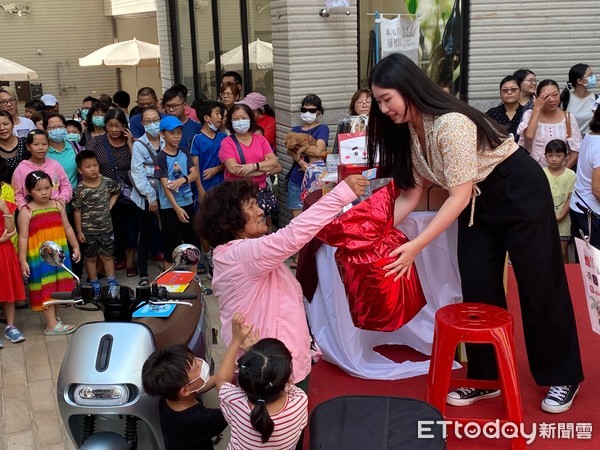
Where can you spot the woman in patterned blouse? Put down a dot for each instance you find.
(502, 201)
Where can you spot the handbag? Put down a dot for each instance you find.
(265, 199)
(568, 125)
(126, 188)
(154, 182)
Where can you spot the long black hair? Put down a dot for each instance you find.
(392, 141)
(263, 373)
(575, 74)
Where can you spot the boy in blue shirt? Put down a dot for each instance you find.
(205, 147)
(176, 170)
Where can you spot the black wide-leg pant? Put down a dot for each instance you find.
(515, 213)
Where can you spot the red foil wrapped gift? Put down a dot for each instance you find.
(365, 235)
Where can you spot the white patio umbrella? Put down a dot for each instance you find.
(260, 52)
(11, 71)
(127, 53)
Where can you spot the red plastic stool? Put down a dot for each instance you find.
(480, 324)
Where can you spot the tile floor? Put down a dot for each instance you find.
(29, 417)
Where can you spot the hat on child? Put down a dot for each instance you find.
(169, 123)
(254, 101)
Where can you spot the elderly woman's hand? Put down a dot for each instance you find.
(358, 184)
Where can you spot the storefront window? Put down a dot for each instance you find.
(184, 51)
(439, 36)
(196, 63)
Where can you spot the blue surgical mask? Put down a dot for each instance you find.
(84, 113)
(152, 129)
(591, 82)
(212, 127)
(98, 121)
(241, 126)
(73, 137)
(58, 134)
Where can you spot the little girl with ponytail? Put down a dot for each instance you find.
(265, 410)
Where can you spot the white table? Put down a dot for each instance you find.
(351, 348)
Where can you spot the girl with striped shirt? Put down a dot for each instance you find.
(265, 411)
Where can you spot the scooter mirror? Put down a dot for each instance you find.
(52, 253)
(185, 255)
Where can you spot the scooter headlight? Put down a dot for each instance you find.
(101, 394)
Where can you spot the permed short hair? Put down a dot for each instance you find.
(221, 217)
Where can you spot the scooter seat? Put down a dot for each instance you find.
(180, 326)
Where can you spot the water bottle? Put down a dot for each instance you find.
(185, 190)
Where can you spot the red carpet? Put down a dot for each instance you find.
(328, 381)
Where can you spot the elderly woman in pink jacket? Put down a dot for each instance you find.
(250, 274)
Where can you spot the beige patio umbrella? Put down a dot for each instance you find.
(126, 53)
(12, 71)
(260, 52)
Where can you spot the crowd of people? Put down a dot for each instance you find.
(111, 182)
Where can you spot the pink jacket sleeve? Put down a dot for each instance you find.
(18, 184)
(260, 255)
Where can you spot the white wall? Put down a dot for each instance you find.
(134, 78)
(61, 42)
(122, 7)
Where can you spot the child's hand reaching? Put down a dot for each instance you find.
(240, 330)
(252, 339)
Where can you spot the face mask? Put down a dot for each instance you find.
(73, 137)
(84, 113)
(212, 127)
(204, 375)
(58, 134)
(591, 82)
(152, 129)
(308, 117)
(98, 121)
(241, 126)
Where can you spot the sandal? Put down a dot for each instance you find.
(60, 329)
(144, 282)
(132, 272)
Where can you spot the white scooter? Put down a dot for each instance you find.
(100, 395)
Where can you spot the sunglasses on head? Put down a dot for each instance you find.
(310, 110)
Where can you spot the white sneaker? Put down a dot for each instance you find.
(560, 398)
(468, 396)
